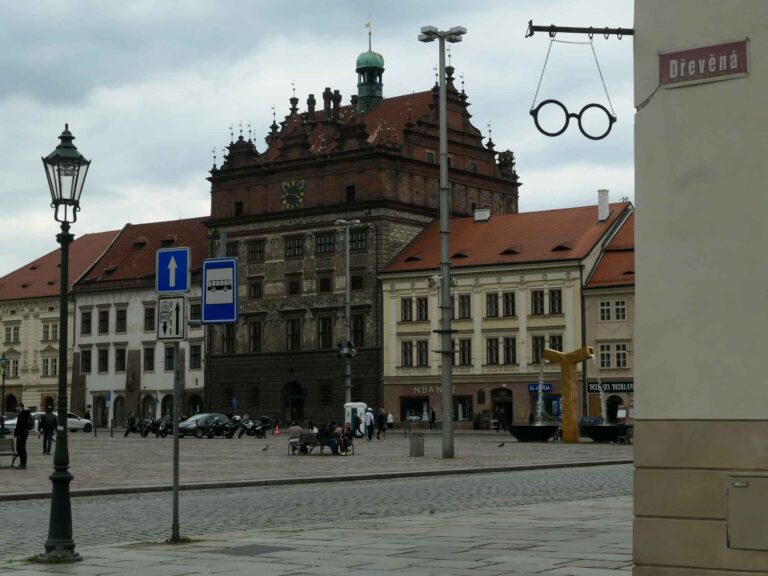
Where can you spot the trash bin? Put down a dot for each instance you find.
(417, 444)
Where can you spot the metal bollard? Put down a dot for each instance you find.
(112, 428)
(417, 444)
(94, 429)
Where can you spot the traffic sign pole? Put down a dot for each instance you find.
(175, 539)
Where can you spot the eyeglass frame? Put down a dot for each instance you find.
(535, 113)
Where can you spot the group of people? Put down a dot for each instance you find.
(25, 425)
(339, 439)
(380, 422)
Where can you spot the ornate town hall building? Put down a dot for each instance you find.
(374, 160)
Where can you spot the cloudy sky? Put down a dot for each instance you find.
(149, 87)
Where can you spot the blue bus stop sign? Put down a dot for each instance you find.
(219, 291)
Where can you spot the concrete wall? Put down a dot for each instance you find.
(701, 278)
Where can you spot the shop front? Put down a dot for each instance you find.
(552, 405)
(619, 399)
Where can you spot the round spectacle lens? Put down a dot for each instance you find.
(551, 118)
(595, 122)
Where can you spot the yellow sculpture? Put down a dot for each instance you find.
(568, 388)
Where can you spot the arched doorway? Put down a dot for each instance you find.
(10, 403)
(293, 403)
(118, 410)
(148, 406)
(100, 411)
(501, 406)
(195, 404)
(612, 407)
(48, 401)
(166, 405)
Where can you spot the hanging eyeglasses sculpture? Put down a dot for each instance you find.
(552, 104)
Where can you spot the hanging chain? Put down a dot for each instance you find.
(533, 104)
(599, 71)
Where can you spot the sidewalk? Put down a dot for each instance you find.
(109, 465)
(577, 538)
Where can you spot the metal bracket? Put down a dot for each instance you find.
(552, 30)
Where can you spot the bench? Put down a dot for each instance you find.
(7, 448)
(311, 442)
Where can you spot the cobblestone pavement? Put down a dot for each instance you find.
(104, 462)
(280, 514)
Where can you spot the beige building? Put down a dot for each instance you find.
(701, 472)
(609, 317)
(518, 289)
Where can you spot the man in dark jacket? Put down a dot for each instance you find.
(47, 428)
(23, 426)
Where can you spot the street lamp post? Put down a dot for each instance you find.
(347, 306)
(4, 366)
(66, 170)
(429, 34)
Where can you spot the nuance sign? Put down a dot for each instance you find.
(722, 61)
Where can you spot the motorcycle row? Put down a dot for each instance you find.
(208, 428)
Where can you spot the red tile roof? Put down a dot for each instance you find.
(551, 235)
(41, 278)
(131, 259)
(617, 266)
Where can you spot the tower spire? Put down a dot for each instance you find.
(369, 68)
(370, 32)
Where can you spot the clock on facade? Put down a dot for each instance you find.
(293, 194)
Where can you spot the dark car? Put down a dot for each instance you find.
(201, 425)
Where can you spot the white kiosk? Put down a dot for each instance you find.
(352, 409)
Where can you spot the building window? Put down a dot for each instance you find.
(509, 304)
(13, 368)
(149, 359)
(149, 319)
(194, 311)
(103, 360)
(430, 156)
(232, 249)
(294, 246)
(605, 310)
(537, 302)
(510, 350)
(195, 357)
(357, 282)
(422, 309)
(350, 194)
(406, 353)
(169, 358)
(121, 320)
(422, 353)
(556, 342)
(556, 301)
(537, 349)
(238, 208)
(50, 331)
(229, 339)
(85, 361)
(324, 332)
(605, 355)
(326, 393)
(255, 289)
(256, 250)
(465, 352)
(358, 239)
(50, 366)
(492, 305)
(326, 243)
(11, 334)
(103, 321)
(473, 167)
(325, 284)
(85, 325)
(294, 287)
(293, 331)
(254, 336)
(358, 330)
(621, 355)
(620, 309)
(465, 306)
(406, 309)
(492, 351)
(119, 359)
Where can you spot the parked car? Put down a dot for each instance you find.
(200, 424)
(74, 423)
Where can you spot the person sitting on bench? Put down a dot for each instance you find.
(294, 433)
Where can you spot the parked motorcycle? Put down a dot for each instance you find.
(251, 427)
(133, 424)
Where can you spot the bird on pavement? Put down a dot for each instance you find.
(502, 444)
(265, 448)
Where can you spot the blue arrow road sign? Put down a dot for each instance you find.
(172, 270)
(219, 291)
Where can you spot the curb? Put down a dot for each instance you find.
(314, 480)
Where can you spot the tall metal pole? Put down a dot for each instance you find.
(347, 321)
(4, 365)
(60, 545)
(176, 408)
(445, 267)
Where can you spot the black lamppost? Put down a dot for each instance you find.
(66, 169)
(4, 366)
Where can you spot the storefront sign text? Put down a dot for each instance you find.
(535, 387)
(430, 389)
(612, 387)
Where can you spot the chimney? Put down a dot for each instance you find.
(602, 205)
(311, 102)
(336, 101)
(327, 95)
(482, 214)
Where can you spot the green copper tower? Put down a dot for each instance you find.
(370, 69)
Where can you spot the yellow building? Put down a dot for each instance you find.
(517, 290)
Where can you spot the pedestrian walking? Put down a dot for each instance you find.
(369, 424)
(47, 428)
(23, 425)
(432, 418)
(390, 420)
(381, 424)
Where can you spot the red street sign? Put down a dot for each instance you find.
(722, 61)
